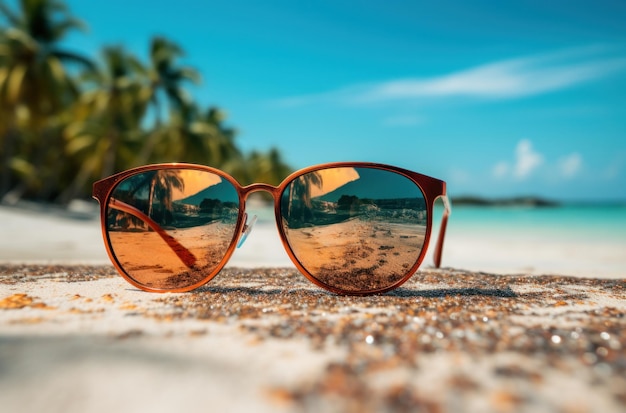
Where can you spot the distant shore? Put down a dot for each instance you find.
(529, 201)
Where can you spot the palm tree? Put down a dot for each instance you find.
(95, 122)
(105, 132)
(197, 136)
(162, 187)
(121, 101)
(166, 80)
(268, 167)
(224, 152)
(301, 188)
(145, 190)
(35, 87)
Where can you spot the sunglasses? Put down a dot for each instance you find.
(352, 227)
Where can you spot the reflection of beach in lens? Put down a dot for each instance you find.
(355, 229)
(357, 255)
(151, 262)
(171, 228)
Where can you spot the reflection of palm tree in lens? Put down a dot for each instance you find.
(301, 189)
(158, 185)
(162, 186)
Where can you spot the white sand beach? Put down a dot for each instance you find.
(34, 233)
(78, 338)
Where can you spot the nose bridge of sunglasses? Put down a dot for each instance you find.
(259, 187)
(247, 228)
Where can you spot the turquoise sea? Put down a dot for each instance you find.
(590, 222)
(582, 222)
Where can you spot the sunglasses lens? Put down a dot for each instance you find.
(171, 228)
(355, 229)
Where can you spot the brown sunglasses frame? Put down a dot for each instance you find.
(431, 188)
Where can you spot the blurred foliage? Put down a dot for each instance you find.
(66, 121)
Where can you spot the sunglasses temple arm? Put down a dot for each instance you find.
(442, 230)
(183, 253)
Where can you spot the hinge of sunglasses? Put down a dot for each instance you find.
(247, 228)
(442, 230)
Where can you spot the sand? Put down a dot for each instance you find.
(153, 263)
(357, 255)
(76, 337)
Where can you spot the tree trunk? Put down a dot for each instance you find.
(108, 165)
(151, 195)
(5, 163)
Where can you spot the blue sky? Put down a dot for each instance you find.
(496, 98)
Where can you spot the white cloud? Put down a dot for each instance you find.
(506, 79)
(526, 159)
(570, 165)
(503, 79)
